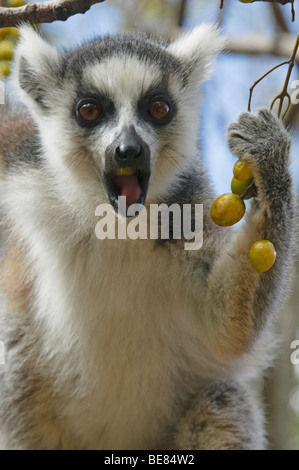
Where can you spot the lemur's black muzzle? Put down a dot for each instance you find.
(132, 151)
(127, 169)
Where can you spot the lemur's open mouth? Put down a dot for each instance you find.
(130, 183)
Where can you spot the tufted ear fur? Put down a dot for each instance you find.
(35, 68)
(198, 49)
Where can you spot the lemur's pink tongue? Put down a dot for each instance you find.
(129, 187)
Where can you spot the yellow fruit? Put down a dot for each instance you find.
(13, 33)
(127, 171)
(4, 68)
(5, 32)
(262, 255)
(242, 171)
(227, 210)
(15, 3)
(239, 187)
(6, 49)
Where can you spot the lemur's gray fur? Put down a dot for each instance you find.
(131, 344)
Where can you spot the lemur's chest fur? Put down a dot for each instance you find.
(116, 327)
(129, 339)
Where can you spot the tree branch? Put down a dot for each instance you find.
(279, 17)
(282, 2)
(281, 45)
(46, 12)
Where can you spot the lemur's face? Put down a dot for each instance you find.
(120, 111)
(126, 114)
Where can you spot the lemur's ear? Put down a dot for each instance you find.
(35, 66)
(198, 49)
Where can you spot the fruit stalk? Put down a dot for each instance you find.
(284, 93)
(250, 190)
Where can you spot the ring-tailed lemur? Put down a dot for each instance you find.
(131, 344)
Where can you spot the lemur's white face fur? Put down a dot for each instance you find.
(117, 102)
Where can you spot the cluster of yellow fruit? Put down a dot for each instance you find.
(230, 208)
(8, 38)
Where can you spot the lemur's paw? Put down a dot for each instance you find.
(259, 138)
(264, 143)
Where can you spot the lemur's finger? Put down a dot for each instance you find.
(239, 141)
(249, 122)
(268, 117)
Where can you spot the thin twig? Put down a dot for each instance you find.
(221, 4)
(262, 78)
(45, 12)
(250, 190)
(279, 17)
(284, 93)
(182, 12)
(293, 12)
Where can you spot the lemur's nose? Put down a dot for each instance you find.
(128, 153)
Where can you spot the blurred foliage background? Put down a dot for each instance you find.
(261, 35)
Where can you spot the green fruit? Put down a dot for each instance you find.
(6, 49)
(227, 210)
(242, 171)
(4, 68)
(239, 187)
(15, 3)
(262, 255)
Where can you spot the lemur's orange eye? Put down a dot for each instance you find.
(159, 110)
(90, 111)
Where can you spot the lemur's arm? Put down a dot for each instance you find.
(240, 300)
